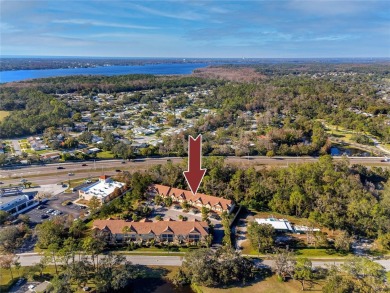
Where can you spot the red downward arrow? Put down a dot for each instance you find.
(194, 174)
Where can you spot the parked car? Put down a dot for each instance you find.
(41, 207)
(60, 167)
(44, 216)
(83, 165)
(1, 182)
(123, 162)
(86, 288)
(31, 287)
(49, 211)
(117, 170)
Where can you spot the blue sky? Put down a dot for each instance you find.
(196, 28)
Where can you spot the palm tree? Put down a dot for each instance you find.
(125, 231)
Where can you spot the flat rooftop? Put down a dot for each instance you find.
(102, 188)
(278, 224)
(7, 199)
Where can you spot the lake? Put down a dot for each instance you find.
(157, 69)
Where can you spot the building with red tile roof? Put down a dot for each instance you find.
(121, 232)
(214, 203)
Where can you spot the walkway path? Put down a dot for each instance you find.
(16, 147)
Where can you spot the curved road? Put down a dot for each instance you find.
(49, 174)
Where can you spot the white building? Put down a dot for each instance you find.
(14, 201)
(280, 225)
(102, 189)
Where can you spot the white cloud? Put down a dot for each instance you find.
(8, 28)
(102, 23)
(187, 15)
(330, 7)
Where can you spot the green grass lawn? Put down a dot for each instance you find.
(48, 151)
(320, 253)
(4, 114)
(105, 155)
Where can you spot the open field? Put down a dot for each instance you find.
(4, 114)
(105, 155)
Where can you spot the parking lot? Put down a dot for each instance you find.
(54, 207)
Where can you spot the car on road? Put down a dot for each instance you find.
(123, 162)
(83, 165)
(117, 170)
(1, 182)
(88, 181)
(70, 174)
(60, 167)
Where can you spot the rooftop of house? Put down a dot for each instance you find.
(188, 196)
(147, 227)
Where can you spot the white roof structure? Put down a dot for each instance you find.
(278, 224)
(305, 229)
(101, 189)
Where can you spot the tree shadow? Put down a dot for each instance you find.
(149, 280)
(261, 274)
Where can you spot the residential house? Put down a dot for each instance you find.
(117, 232)
(214, 203)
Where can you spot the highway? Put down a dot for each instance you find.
(49, 174)
(29, 259)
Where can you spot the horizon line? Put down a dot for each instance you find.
(179, 57)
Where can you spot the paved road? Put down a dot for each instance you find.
(28, 259)
(16, 146)
(49, 174)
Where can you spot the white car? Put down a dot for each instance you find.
(31, 287)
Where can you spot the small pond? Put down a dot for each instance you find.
(339, 151)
